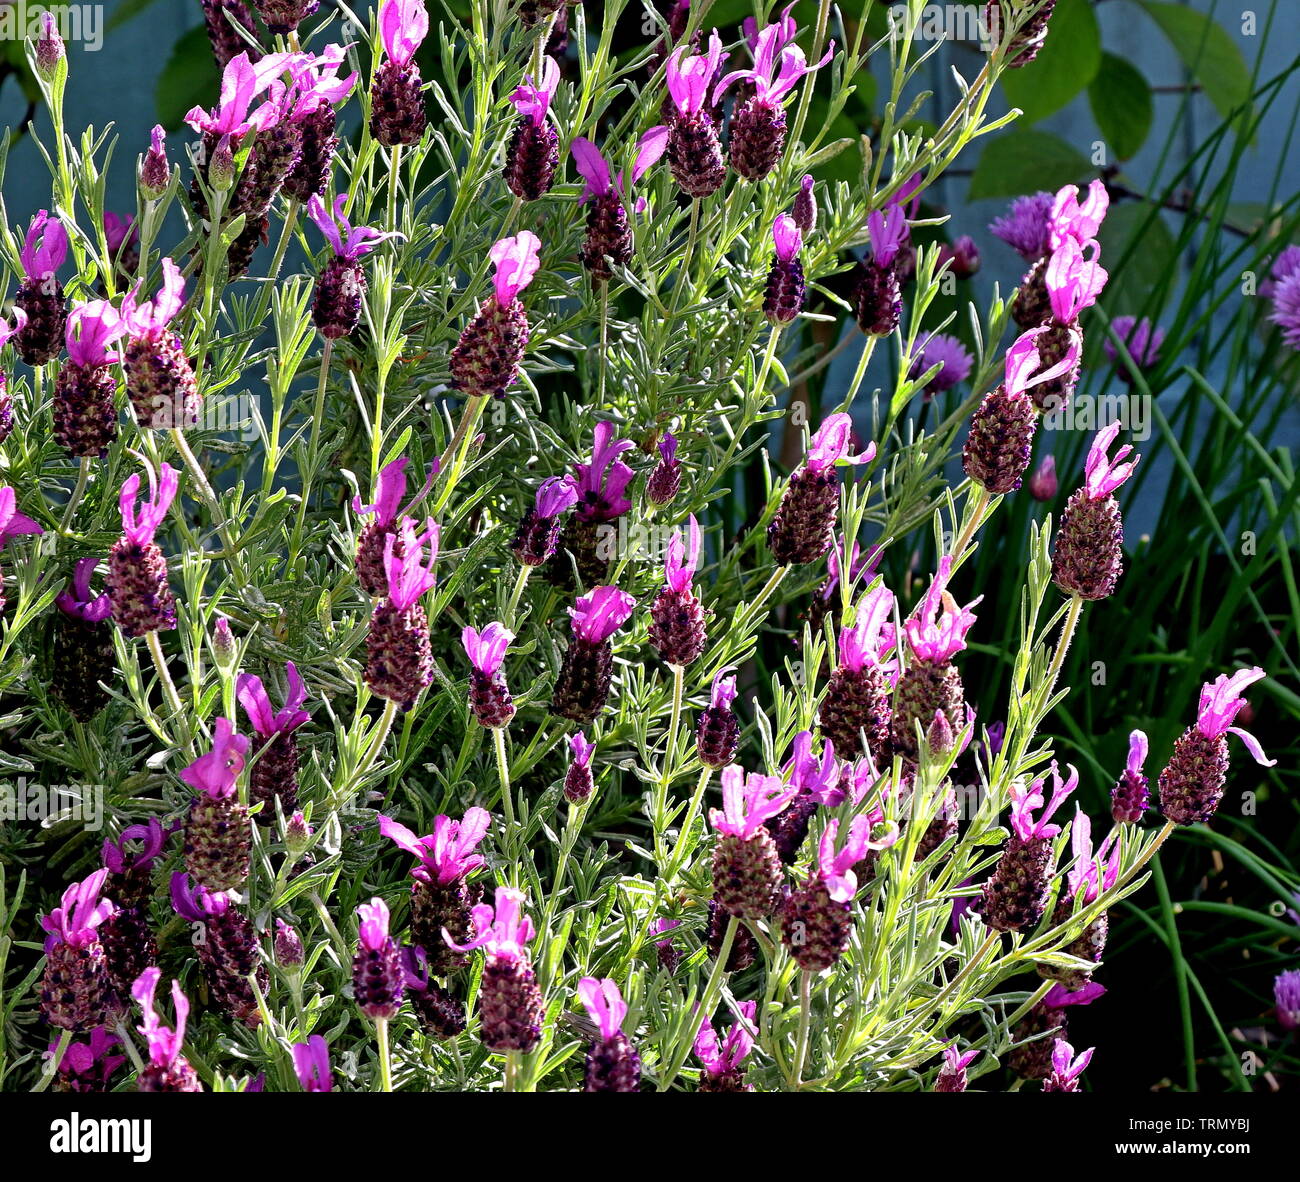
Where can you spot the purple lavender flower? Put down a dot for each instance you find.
(399, 655)
(783, 298)
(856, 701)
(534, 149)
(877, 298)
(311, 1063)
(160, 379)
(962, 258)
(668, 956)
(289, 952)
(1088, 878)
(952, 1075)
(608, 242)
(1088, 556)
(341, 285)
(230, 951)
(1066, 1067)
(137, 570)
(677, 617)
(489, 698)
(936, 630)
(613, 1064)
(40, 296)
(510, 1004)
(582, 687)
(85, 418)
(440, 896)
(758, 125)
(487, 356)
(665, 480)
(538, 535)
(275, 774)
(390, 490)
(155, 172)
(1191, 785)
(948, 353)
(75, 987)
(1131, 796)
(1072, 218)
(439, 1013)
(397, 114)
(88, 1066)
(377, 980)
(578, 782)
(1043, 485)
(49, 49)
(717, 734)
(746, 863)
(167, 1070)
(804, 209)
(217, 832)
(722, 1062)
(12, 523)
(694, 153)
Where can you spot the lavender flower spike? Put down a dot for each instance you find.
(937, 630)
(1130, 796)
(275, 774)
(1066, 1067)
(217, 832)
(488, 696)
(397, 114)
(601, 613)
(140, 522)
(377, 978)
(582, 687)
(677, 618)
(137, 570)
(1024, 800)
(167, 1069)
(534, 149)
(1087, 559)
(694, 153)
(390, 489)
(40, 296)
(85, 418)
(613, 1065)
(749, 802)
(746, 862)
(723, 1070)
(783, 299)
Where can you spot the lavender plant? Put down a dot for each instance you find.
(601, 564)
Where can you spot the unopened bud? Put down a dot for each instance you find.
(289, 953)
(221, 168)
(1043, 483)
(50, 51)
(224, 650)
(154, 172)
(297, 835)
(939, 736)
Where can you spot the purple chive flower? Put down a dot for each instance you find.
(167, 1069)
(578, 782)
(311, 1063)
(608, 242)
(1072, 218)
(1025, 227)
(962, 258)
(377, 979)
(613, 1064)
(534, 149)
(1141, 338)
(1131, 795)
(1043, 484)
(1286, 308)
(440, 896)
(1074, 281)
(538, 535)
(1066, 1067)
(665, 481)
(1191, 785)
(488, 696)
(936, 630)
(1286, 999)
(1284, 266)
(275, 774)
(722, 1062)
(949, 354)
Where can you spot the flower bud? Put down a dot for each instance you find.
(50, 51)
(221, 168)
(289, 953)
(224, 650)
(297, 835)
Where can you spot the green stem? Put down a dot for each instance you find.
(385, 1061)
(712, 991)
(394, 168)
(168, 688)
(805, 1019)
(52, 1067)
(83, 476)
(521, 580)
(503, 773)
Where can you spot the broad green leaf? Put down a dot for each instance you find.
(1207, 51)
(188, 79)
(1067, 63)
(1024, 162)
(1120, 98)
